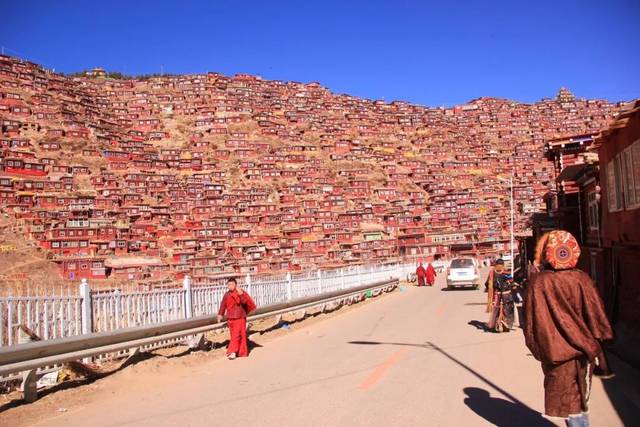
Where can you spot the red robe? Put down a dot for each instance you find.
(236, 307)
(421, 273)
(431, 275)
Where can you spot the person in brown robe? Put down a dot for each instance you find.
(565, 324)
(500, 304)
(489, 285)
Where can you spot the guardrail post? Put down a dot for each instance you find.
(289, 290)
(29, 378)
(319, 282)
(188, 297)
(86, 313)
(10, 322)
(247, 281)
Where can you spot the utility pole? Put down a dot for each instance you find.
(511, 244)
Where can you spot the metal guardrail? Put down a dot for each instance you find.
(86, 310)
(34, 355)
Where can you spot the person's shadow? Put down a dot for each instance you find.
(479, 325)
(501, 412)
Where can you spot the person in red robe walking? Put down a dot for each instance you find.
(431, 275)
(421, 274)
(236, 304)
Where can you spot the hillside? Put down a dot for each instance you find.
(159, 177)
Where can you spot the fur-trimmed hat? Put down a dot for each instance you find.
(561, 250)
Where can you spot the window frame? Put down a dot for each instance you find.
(631, 175)
(593, 214)
(614, 187)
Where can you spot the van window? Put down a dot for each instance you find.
(462, 263)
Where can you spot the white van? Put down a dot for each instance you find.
(463, 272)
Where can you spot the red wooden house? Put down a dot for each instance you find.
(619, 156)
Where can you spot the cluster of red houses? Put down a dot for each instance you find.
(206, 174)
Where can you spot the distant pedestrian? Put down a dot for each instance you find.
(565, 327)
(431, 275)
(421, 274)
(236, 304)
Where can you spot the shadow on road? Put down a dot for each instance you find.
(478, 325)
(13, 401)
(501, 412)
(623, 390)
(252, 345)
(140, 357)
(488, 404)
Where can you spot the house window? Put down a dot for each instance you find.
(631, 160)
(71, 266)
(592, 211)
(623, 179)
(55, 244)
(614, 184)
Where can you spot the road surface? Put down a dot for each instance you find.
(410, 358)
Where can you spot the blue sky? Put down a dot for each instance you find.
(430, 53)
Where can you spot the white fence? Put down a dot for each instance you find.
(61, 316)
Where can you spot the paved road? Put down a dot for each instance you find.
(409, 358)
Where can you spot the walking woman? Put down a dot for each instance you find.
(565, 326)
(236, 304)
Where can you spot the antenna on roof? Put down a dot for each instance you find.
(161, 70)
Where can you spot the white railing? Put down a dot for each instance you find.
(49, 317)
(102, 311)
(115, 310)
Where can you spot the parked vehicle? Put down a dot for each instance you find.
(463, 272)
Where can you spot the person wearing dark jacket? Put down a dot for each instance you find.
(565, 327)
(500, 302)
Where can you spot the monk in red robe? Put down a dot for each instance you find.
(236, 304)
(431, 275)
(565, 327)
(421, 274)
